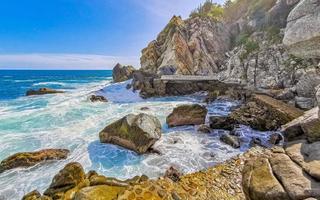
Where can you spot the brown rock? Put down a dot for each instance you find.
(297, 184)
(259, 182)
(187, 115)
(173, 174)
(135, 132)
(306, 155)
(71, 176)
(219, 122)
(42, 91)
(101, 192)
(28, 159)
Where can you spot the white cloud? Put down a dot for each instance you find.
(63, 61)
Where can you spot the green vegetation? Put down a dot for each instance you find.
(249, 45)
(209, 9)
(273, 34)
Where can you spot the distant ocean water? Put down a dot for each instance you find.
(71, 121)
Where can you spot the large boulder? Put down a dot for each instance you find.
(306, 155)
(302, 34)
(42, 91)
(28, 159)
(122, 73)
(193, 46)
(306, 126)
(187, 115)
(134, 132)
(71, 176)
(259, 182)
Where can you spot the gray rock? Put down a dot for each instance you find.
(302, 34)
(122, 73)
(134, 132)
(230, 140)
(304, 103)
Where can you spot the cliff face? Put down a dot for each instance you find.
(302, 35)
(191, 47)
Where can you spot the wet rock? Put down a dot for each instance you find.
(306, 126)
(96, 98)
(134, 132)
(306, 155)
(122, 73)
(173, 174)
(28, 159)
(295, 182)
(34, 195)
(71, 176)
(275, 138)
(42, 91)
(101, 192)
(259, 182)
(219, 122)
(187, 115)
(230, 140)
(203, 128)
(265, 113)
(144, 108)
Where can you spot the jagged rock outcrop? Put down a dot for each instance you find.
(135, 132)
(192, 46)
(262, 113)
(28, 159)
(302, 35)
(122, 73)
(42, 91)
(98, 98)
(187, 115)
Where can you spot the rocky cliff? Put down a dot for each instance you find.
(192, 46)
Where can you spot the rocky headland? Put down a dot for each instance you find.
(258, 53)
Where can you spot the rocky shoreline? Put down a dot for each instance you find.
(257, 58)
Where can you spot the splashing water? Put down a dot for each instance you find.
(70, 121)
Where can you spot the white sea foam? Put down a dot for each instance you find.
(49, 83)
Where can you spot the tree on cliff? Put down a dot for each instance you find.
(209, 9)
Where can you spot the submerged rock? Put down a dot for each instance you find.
(203, 128)
(221, 122)
(134, 132)
(96, 98)
(187, 115)
(42, 91)
(122, 73)
(28, 159)
(230, 140)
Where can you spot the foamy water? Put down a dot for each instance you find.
(70, 121)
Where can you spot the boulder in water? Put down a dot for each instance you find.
(122, 73)
(28, 159)
(96, 98)
(187, 115)
(42, 91)
(134, 132)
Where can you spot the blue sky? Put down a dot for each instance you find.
(81, 34)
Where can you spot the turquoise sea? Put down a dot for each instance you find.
(71, 121)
